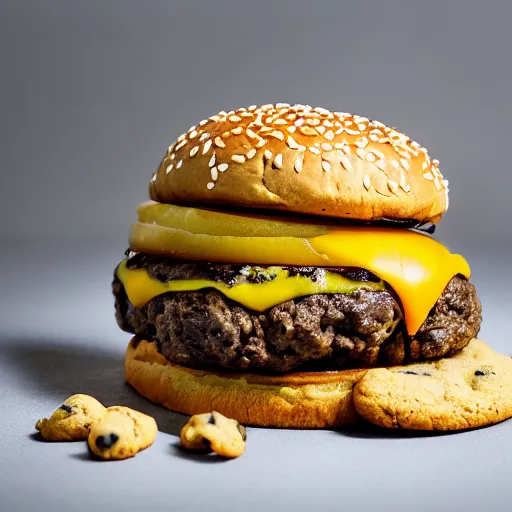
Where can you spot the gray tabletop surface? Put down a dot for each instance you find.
(59, 337)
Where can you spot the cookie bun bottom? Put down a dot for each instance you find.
(294, 400)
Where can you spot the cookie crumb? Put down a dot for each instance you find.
(214, 432)
(121, 433)
(71, 420)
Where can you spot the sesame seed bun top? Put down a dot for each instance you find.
(304, 160)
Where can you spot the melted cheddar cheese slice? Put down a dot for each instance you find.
(417, 267)
(142, 287)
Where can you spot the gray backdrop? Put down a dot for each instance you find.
(91, 95)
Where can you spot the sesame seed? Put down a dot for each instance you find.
(266, 129)
(360, 153)
(250, 133)
(348, 122)
(269, 120)
(282, 105)
(192, 134)
(207, 146)
(153, 179)
(203, 122)
(261, 143)
(219, 142)
(211, 163)
(235, 119)
(314, 150)
(312, 122)
(424, 165)
(277, 134)
(428, 176)
(395, 164)
(340, 130)
(210, 185)
(352, 132)
(215, 119)
(370, 157)
(437, 184)
(179, 164)
(362, 142)
(182, 137)
(173, 156)
(362, 127)
(320, 129)
(367, 182)
(246, 114)
(327, 123)
(290, 141)
(222, 167)
(268, 155)
(225, 134)
(239, 159)
(250, 154)
(345, 162)
(291, 117)
(299, 122)
(298, 163)
(194, 150)
(237, 131)
(180, 145)
(278, 161)
(321, 110)
(307, 130)
(280, 121)
(329, 135)
(435, 162)
(204, 136)
(381, 164)
(406, 188)
(214, 173)
(252, 107)
(393, 186)
(405, 163)
(373, 137)
(326, 166)
(291, 128)
(326, 146)
(169, 168)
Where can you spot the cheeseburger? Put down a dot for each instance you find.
(284, 251)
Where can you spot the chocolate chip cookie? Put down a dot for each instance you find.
(71, 421)
(471, 389)
(121, 433)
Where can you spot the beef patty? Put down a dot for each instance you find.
(204, 329)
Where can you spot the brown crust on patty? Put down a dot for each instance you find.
(319, 332)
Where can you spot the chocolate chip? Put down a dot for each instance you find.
(66, 408)
(242, 431)
(106, 442)
(480, 373)
(410, 372)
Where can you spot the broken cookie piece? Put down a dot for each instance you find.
(72, 420)
(121, 433)
(214, 432)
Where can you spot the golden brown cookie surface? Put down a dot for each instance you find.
(471, 389)
(121, 433)
(214, 432)
(72, 420)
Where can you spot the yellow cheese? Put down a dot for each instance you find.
(417, 267)
(141, 287)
